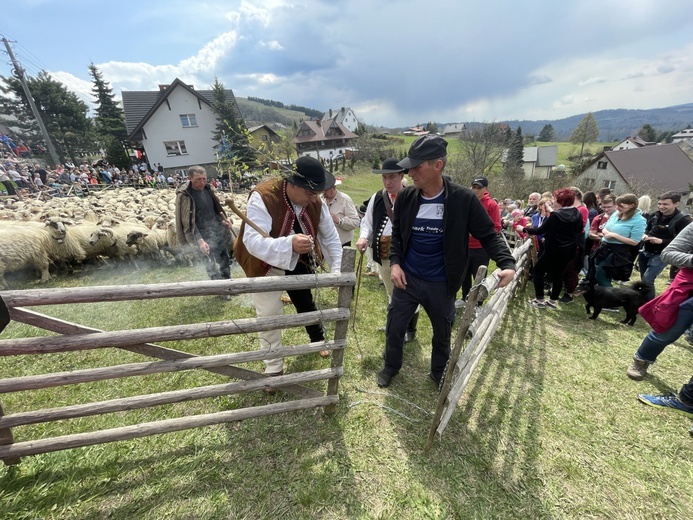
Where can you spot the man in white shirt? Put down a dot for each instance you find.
(300, 235)
(376, 227)
(343, 213)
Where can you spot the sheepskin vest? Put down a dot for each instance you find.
(273, 193)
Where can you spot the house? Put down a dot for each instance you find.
(683, 135)
(454, 130)
(415, 130)
(323, 139)
(649, 169)
(345, 116)
(263, 134)
(174, 125)
(632, 142)
(538, 161)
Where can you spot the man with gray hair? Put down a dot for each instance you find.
(202, 224)
(532, 204)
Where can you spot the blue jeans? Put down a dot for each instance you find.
(655, 342)
(650, 265)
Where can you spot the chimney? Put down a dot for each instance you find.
(318, 122)
(330, 113)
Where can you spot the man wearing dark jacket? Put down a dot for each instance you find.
(202, 224)
(662, 228)
(428, 254)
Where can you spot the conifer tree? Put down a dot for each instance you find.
(232, 137)
(547, 134)
(516, 151)
(109, 121)
(110, 118)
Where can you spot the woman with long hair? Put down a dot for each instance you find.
(561, 231)
(622, 234)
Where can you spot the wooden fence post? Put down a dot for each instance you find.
(5, 439)
(341, 326)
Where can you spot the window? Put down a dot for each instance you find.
(175, 148)
(601, 165)
(188, 120)
(610, 184)
(589, 183)
(264, 137)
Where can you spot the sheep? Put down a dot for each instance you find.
(63, 248)
(23, 247)
(145, 242)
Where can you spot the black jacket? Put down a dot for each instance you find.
(463, 214)
(562, 229)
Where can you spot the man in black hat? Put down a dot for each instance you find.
(301, 235)
(376, 228)
(428, 255)
(477, 254)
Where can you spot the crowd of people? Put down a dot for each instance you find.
(22, 177)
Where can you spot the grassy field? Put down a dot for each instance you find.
(549, 426)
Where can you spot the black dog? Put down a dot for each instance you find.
(630, 298)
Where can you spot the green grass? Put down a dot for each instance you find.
(549, 426)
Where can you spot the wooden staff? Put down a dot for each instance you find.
(359, 270)
(231, 204)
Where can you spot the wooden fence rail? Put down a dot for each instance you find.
(476, 328)
(74, 337)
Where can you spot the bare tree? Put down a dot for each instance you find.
(481, 148)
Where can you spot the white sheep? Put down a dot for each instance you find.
(23, 247)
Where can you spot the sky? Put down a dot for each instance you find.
(396, 63)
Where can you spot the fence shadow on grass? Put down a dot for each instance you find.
(492, 440)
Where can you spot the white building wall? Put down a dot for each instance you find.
(165, 125)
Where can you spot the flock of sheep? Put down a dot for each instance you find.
(121, 225)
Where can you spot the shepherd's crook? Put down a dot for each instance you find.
(231, 204)
(359, 270)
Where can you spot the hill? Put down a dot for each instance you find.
(616, 124)
(265, 114)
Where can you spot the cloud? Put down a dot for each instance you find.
(539, 80)
(591, 81)
(392, 65)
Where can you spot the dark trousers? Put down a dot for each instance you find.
(686, 393)
(218, 263)
(304, 302)
(572, 272)
(552, 264)
(476, 258)
(439, 306)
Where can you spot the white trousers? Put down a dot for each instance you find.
(270, 304)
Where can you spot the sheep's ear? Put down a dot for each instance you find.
(69, 222)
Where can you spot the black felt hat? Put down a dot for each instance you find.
(390, 166)
(425, 148)
(309, 173)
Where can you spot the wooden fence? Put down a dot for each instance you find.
(73, 337)
(476, 329)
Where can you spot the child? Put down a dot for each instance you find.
(519, 220)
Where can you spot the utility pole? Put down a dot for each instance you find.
(19, 72)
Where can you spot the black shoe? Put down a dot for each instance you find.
(436, 379)
(566, 298)
(384, 378)
(409, 336)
